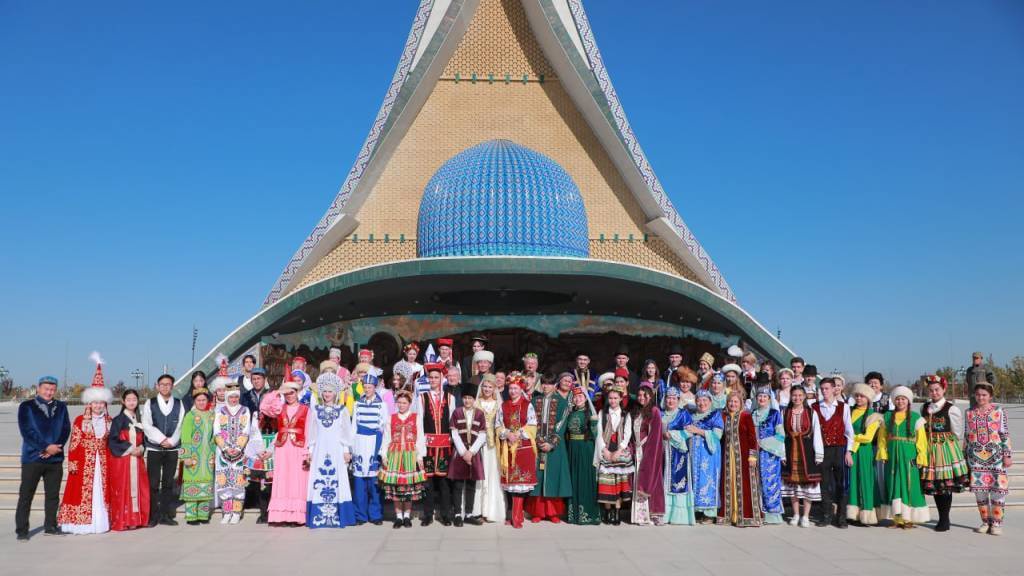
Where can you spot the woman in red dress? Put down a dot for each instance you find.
(516, 427)
(740, 490)
(128, 482)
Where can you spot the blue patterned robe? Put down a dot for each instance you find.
(678, 489)
(707, 462)
(771, 439)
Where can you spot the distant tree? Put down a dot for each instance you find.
(7, 387)
(118, 389)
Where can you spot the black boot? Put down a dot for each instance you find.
(943, 502)
(616, 520)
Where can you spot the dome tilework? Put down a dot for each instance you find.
(500, 198)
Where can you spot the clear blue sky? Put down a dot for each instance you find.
(855, 168)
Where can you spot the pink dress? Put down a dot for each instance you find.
(288, 496)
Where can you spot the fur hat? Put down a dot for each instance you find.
(686, 374)
(863, 390)
(98, 391)
(732, 368)
(485, 355)
(290, 385)
(328, 366)
(735, 351)
(904, 392)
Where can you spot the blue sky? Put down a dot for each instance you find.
(855, 168)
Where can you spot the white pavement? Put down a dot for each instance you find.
(544, 548)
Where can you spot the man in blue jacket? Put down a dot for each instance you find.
(45, 428)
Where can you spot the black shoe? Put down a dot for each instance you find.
(426, 521)
(942, 526)
(457, 522)
(445, 521)
(192, 522)
(376, 522)
(616, 520)
(261, 520)
(823, 522)
(207, 521)
(360, 522)
(22, 537)
(55, 531)
(407, 522)
(398, 523)
(168, 522)
(842, 524)
(475, 521)
(152, 524)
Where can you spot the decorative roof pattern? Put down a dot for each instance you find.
(500, 198)
(639, 158)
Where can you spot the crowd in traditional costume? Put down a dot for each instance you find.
(675, 447)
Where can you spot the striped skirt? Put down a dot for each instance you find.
(947, 470)
(402, 481)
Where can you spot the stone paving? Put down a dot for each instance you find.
(492, 549)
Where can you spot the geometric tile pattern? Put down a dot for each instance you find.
(500, 198)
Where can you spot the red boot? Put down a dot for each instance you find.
(517, 511)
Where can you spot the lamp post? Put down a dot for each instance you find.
(137, 374)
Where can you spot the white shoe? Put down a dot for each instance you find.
(225, 519)
(794, 521)
(805, 522)
(996, 530)
(983, 529)
(235, 518)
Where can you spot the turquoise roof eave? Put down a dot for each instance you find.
(251, 330)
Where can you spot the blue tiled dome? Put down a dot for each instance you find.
(500, 198)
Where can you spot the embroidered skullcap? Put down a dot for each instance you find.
(48, 380)
(765, 390)
(328, 381)
(703, 393)
(201, 391)
(708, 358)
(904, 392)
(673, 392)
(260, 371)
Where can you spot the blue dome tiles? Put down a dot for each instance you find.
(500, 198)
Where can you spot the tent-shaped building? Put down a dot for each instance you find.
(500, 190)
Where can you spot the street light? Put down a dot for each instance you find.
(137, 374)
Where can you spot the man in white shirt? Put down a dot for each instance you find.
(161, 424)
(837, 434)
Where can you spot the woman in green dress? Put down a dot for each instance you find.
(903, 445)
(861, 507)
(197, 452)
(580, 429)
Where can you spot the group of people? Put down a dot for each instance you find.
(473, 445)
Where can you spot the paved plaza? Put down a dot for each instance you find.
(491, 549)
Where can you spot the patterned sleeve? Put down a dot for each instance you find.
(1004, 434)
